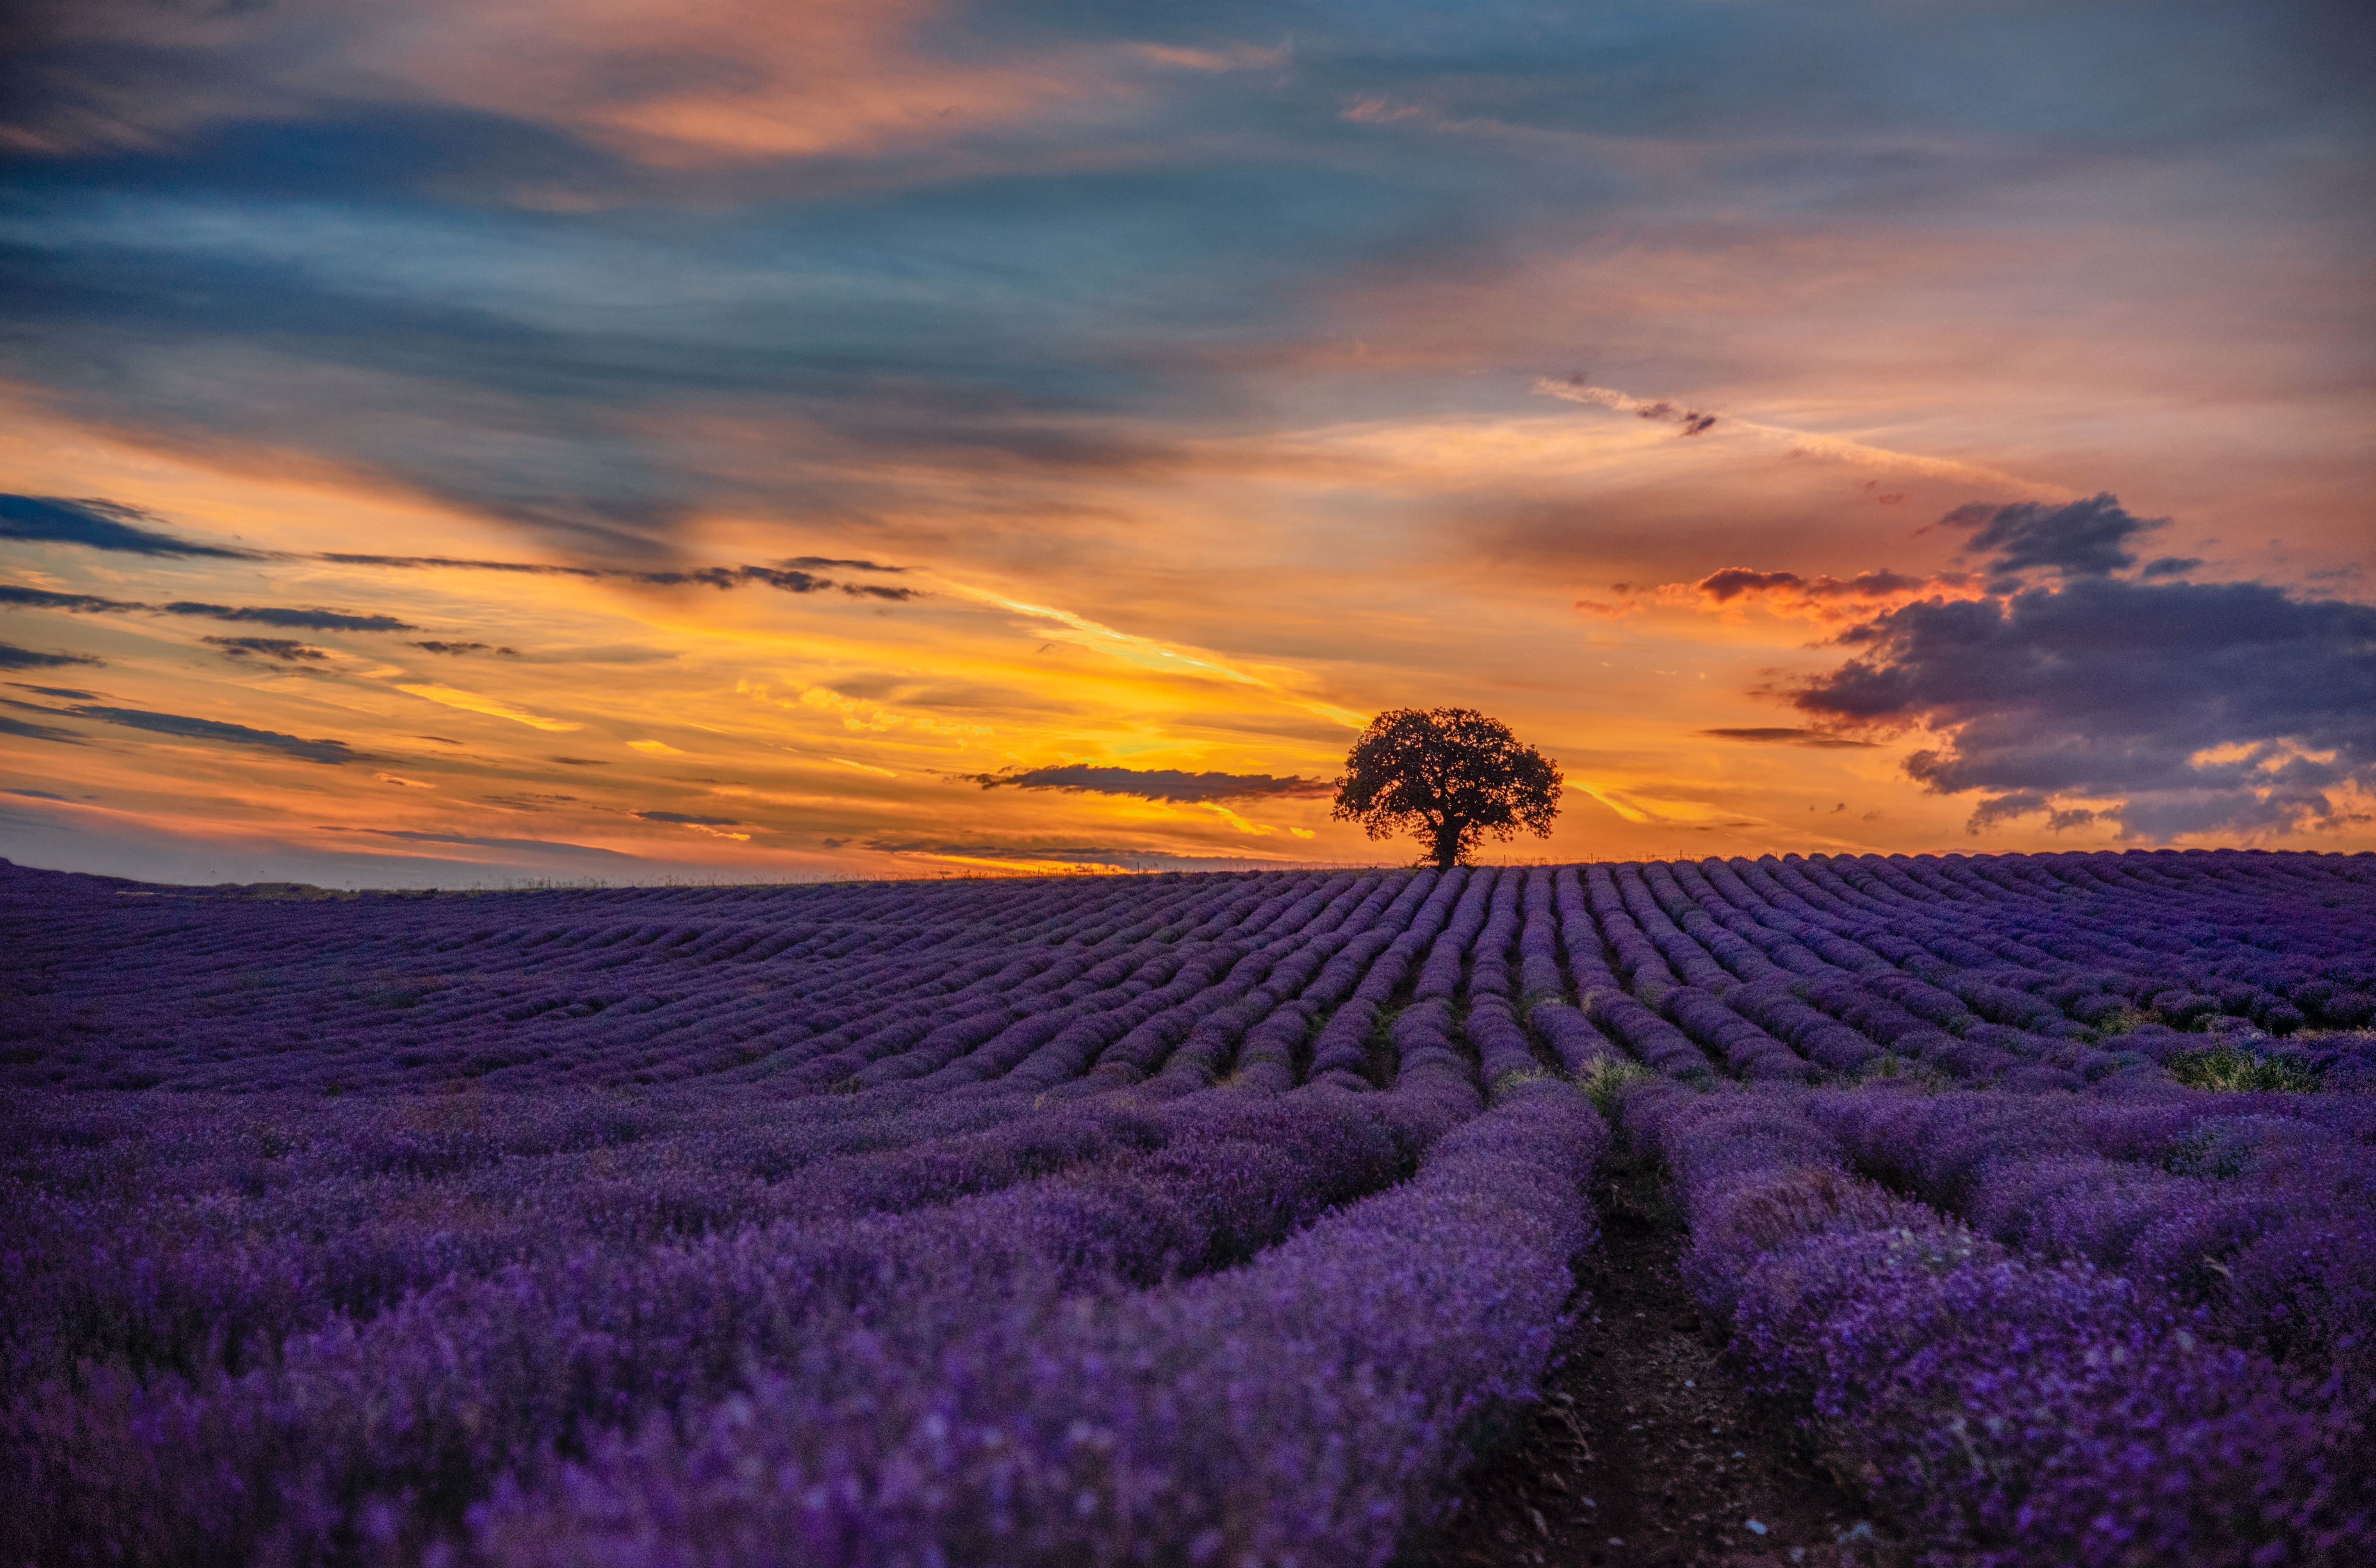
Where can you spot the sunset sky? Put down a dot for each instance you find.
(478, 441)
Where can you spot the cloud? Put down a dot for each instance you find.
(460, 650)
(307, 620)
(790, 576)
(262, 615)
(286, 650)
(715, 826)
(1802, 442)
(66, 692)
(830, 561)
(25, 730)
(1040, 858)
(494, 707)
(74, 604)
(186, 728)
(1655, 408)
(2088, 537)
(15, 658)
(1156, 783)
(1734, 581)
(2190, 708)
(1819, 598)
(449, 562)
(415, 836)
(99, 525)
(1787, 737)
(579, 761)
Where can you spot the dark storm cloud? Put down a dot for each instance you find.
(1156, 783)
(2083, 539)
(287, 650)
(186, 728)
(1771, 736)
(100, 525)
(15, 658)
(2111, 689)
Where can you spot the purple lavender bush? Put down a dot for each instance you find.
(1181, 1217)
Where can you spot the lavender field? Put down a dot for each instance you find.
(1229, 1219)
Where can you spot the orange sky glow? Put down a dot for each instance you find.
(747, 430)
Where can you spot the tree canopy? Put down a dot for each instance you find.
(1448, 777)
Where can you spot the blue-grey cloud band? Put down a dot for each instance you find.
(1155, 783)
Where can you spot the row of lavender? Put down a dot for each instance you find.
(301, 1327)
(1150, 1324)
(201, 1247)
(2053, 1329)
(2039, 970)
(214, 1294)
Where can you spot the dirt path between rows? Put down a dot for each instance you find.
(1646, 1451)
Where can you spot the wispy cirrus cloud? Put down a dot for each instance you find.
(1858, 454)
(494, 707)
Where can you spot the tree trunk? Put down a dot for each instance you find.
(1447, 844)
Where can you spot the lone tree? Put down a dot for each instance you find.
(1447, 777)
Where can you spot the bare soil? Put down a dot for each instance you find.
(1645, 1450)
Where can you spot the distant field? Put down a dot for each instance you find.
(2024, 1206)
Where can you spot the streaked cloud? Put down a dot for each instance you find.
(285, 650)
(14, 596)
(181, 727)
(1156, 783)
(462, 649)
(15, 658)
(100, 525)
(494, 707)
(1768, 735)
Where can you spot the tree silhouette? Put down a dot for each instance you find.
(1447, 777)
